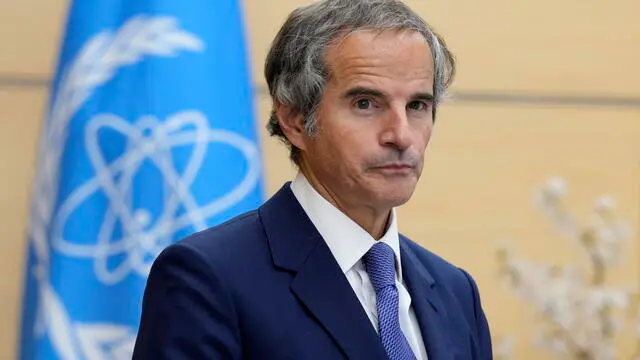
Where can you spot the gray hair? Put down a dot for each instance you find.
(295, 68)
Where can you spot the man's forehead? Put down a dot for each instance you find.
(372, 44)
(393, 54)
(377, 39)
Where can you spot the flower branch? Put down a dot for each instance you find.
(578, 312)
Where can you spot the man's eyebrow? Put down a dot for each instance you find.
(426, 96)
(364, 91)
(361, 90)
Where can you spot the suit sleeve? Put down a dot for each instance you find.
(187, 313)
(483, 334)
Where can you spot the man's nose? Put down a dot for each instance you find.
(396, 131)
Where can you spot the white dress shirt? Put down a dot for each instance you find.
(348, 243)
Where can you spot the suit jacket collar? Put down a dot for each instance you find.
(290, 233)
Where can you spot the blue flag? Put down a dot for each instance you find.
(150, 136)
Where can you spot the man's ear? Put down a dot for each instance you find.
(292, 125)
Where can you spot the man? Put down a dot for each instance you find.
(319, 271)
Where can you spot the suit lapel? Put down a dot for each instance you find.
(319, 283)
(428, 306)
(322, 288)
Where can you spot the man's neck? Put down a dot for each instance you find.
(374, 221)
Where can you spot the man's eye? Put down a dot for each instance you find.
(364, 104)
(418, 105)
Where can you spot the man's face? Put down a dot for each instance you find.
(374, 119)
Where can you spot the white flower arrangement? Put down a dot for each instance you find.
(579, 313)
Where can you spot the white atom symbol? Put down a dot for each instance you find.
(140, 242)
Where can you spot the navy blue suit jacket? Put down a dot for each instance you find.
(266, 286)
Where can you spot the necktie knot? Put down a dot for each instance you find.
(380, 264)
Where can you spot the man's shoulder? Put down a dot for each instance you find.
(443, 271)
(241, 241)
(429, 258)
(229, 241)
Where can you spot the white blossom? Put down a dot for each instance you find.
(604, 205)
(504, 348)
(556, 187)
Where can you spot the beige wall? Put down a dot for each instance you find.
(484, 159)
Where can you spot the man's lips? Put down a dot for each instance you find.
(394, 168)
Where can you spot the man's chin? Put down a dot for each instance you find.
(399, 201)
(397, 196)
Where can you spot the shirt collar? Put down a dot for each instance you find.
(347, 240)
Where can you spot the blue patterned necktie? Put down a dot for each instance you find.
(380, 265)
